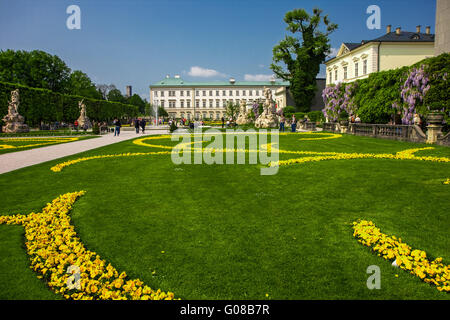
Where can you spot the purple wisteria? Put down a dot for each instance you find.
(412, 94)
(337, 99)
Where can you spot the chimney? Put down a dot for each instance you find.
(388, 28)
(167, 76)
(177, 76)
(418, 28)
(232, 81)
(428, 30)
(398, 30)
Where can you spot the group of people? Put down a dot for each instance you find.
(139, 123)
(293, 123)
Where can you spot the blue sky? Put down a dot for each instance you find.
(138, 42)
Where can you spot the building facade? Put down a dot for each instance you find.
(208, 100)
(442, 27)
(393, 50)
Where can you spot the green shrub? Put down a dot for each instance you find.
(316, 116)
(42, 105)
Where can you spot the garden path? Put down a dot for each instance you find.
(20, 159)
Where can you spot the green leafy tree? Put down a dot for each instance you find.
(162, 112)
(232, 110)
(137, 101)
(80, 84)
(302, 57)
(116, 95)
(36, 69)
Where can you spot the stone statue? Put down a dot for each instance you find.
(268, 118)
(83, 120)
(14, 121)
(243, 115)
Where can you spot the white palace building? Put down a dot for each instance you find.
(207, 100)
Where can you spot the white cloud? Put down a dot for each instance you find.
(261, 65)
(197, 71)
(333, 52)
(258, 77)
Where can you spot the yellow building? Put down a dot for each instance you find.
(393, 50)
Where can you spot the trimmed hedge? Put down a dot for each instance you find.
(38, 105)
(375, 95)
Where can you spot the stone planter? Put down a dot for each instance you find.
(435, 118)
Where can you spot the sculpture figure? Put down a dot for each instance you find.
(13, 120)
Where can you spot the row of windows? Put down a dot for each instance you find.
(356, 71)
(198, 103)
(198, 115)
(204, 93)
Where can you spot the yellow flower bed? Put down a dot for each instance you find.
(447, 181)
(402, 155)
(53, 246)
(48, 141)
(392, 248)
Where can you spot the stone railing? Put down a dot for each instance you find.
(444, 140)
(310, 126)
(411, 133)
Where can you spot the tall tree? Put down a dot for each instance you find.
(104, 89)
(116, 95)
(36, 69)
(80, 84)
(137, 101)
(302, 57)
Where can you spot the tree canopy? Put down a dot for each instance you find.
(36, 69)
(80, 84)
(302, 56)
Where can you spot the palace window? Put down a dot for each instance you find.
(217, 103)
(204, 93)
(257, 93)
(224, 93)
(162, 93)
(188, 93)
(356, 69)
(210, 93)
(197, 103)
(188, 103)
(156, 93)
(231, 93)
(335, 75)
(345, 73)
(330, 77)
(210, 103)
(224, 102)
(237, 92)
(181, 103)
(217, 93)
(204, 103)
(197, 93)
(181, 93)
(171, 103)
(365, 67)
(250, 92)
(162, 103)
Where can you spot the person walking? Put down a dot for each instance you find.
(294, 123)
(117, 125)
(143, 123)
(282, 122)
(136, 125)
(223, 122)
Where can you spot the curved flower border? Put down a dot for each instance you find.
(392, 248)
(53, 246)
(50, 141)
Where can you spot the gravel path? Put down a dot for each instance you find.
(20, 159)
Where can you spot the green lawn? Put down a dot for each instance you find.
(230, 233)
(25, 143)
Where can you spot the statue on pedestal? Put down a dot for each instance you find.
(83, 120)
(14, 121)
(243, 115)
(268, 118)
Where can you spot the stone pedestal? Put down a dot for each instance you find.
(433, 133)
(267, 120)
